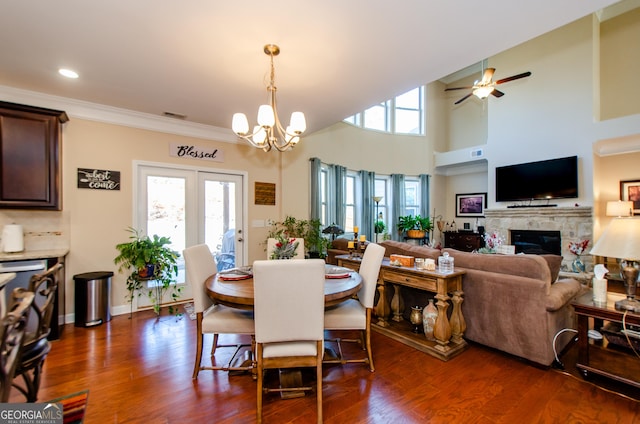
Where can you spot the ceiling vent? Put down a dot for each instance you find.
(174, 115)
(477, 153)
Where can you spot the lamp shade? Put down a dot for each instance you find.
(619, 208)
(483, 92)
(621, 240)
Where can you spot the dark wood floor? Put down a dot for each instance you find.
(139, 371)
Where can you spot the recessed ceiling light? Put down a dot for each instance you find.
(68, 73)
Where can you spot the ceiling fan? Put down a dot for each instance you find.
(486, 86)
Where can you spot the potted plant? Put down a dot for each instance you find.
(149, 258)
(415, 226)
(315, 244)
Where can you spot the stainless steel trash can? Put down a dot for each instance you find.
(93, 292)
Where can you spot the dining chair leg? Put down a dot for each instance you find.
(259, 385)
(368, 341)
(199, 336)
(319, 383)
(215, 344)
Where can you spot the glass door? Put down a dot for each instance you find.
(191, 206)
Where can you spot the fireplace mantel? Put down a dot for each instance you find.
(574, 224)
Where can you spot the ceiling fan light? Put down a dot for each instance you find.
(483, 92)
(240, 125)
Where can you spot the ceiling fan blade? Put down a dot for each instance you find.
(488, 74)
(458, 88)
(514, 77)
(463, 99)
(497, 93)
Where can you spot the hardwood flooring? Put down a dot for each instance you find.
(139, 371)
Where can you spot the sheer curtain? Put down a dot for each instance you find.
(398, 205)
(368, 179)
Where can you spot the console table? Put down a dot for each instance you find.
(603, 358)
(448, 332)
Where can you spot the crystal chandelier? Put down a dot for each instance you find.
(269, 132)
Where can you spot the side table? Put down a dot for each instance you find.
(605, 358)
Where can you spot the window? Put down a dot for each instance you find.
(412, 196)
(403, 114)
(408, 112)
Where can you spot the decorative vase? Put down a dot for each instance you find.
(577, 265)
(416, 318)
(429, 315)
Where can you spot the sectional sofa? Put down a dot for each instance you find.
(513, 303)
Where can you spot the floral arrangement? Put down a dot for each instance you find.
(578, 247)
(493, 240)
(285, 248)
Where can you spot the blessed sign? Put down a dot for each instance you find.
(98, 179)
(196, 152)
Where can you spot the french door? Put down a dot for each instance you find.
(192, 206)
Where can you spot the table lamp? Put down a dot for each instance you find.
(621, 239)
(619, 208)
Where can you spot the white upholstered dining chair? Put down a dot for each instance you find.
(212, 318)
(289, 309)
(271, 245)
(355, 314)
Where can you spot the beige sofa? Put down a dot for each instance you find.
(513, 303)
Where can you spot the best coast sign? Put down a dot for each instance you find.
(98, 179)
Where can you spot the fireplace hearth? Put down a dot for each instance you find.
(573, 224)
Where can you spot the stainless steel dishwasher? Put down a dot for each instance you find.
(24, 270)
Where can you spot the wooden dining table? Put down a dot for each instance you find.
(239, 293)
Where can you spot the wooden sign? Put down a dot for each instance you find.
(265, 194)
(98, 179)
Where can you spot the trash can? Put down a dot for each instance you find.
(92, 302)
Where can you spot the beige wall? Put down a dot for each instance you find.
(98, 218)
(620, 65)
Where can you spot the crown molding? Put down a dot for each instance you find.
(117, 116)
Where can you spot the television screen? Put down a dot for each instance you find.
(547, 179)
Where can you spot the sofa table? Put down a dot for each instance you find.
(448, 332)
(604, 358)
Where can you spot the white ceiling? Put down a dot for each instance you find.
(204, 59)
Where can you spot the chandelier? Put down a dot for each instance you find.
(269, 132)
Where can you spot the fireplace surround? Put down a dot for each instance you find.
(572, 224)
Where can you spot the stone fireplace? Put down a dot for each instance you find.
(572, 224)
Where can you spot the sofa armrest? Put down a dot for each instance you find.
(561, 292)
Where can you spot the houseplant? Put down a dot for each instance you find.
(149, 258)
(415, 226)
(315, 244)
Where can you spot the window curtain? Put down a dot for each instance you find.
(340, 190)
(316, 194)
(424, 200)
(368, 179)
(398, 206)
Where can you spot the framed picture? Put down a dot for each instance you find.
(630, 190)
(471, 205)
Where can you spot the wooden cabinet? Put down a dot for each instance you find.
(464, 241)
(30, 156)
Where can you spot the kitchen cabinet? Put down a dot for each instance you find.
(30, 157)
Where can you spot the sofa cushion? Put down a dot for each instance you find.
(554, 262)
(393, 247)
(531, 266)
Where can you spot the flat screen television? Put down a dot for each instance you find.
(546, 179)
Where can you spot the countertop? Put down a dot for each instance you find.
(33, 254)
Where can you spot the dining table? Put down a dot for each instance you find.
(234, 288)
